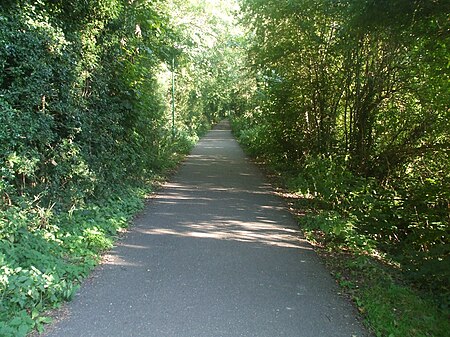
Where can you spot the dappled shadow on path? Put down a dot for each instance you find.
(223, 214)
(218, 195)
(207, 212)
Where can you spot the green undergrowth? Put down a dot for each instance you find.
(45, 254)
(391, 305)
(46, 251)
(44, 257)
(390, 302)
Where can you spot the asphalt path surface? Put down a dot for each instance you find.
(215, 253)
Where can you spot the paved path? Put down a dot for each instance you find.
(214, 254)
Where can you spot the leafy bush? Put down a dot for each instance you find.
(257, 138)
(329, 179)
(341, 232)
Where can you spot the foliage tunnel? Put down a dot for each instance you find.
(348, 98)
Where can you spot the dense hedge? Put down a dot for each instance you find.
(74, 113)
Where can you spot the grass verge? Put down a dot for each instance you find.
(390, 306)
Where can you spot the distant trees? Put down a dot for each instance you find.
(211, 55)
